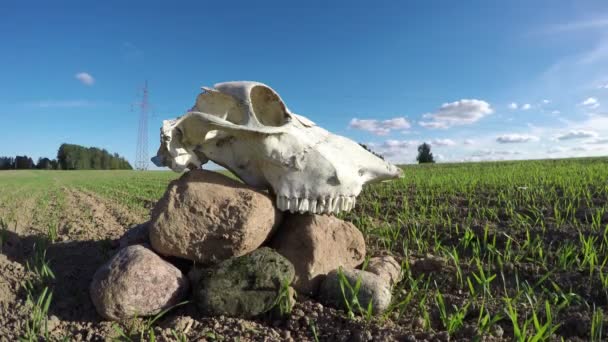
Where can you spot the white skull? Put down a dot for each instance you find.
(246, 127)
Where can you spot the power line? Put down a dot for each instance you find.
(141, 154)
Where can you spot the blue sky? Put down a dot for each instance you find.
(479, 80)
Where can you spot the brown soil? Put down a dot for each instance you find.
(87, 217)
(122, 214)
(85, 229)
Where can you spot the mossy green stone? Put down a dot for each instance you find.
(244, 286)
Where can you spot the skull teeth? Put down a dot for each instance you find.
(332, 205)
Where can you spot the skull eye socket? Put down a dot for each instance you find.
(221, 105)
(268, 107)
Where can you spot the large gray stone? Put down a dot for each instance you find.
(373, 289)
(317, 244)
(244, 286)
(207, 217)
(386, 267)
(136, 282)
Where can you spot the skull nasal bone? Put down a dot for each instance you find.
(380, 174)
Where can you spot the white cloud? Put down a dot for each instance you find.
(130, 51)
(60, 104)
(433, 124)
(85, 78)
(598, 141)
(586, 24)
(526, 106)
(591, 103)
(397, 150)
(491, 152)
(380, 127)
(396, 123)
(555, 112)
(366, 125)
(513, 105)
(545, 101)
(465, 111)
(596, 55)
(442, 142)
(577, 134)
(578, 151)
(515, 138)
(603, 86)
(581, 69)
(485, 147)
(399, 143)
(557, 149)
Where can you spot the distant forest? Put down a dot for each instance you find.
(70, 157)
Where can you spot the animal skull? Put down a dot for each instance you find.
(246, 127)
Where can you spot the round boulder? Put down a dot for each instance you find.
(373, 289)
(316, 245)
(244, 286)
(136, 282)
(386, 267)
(207, 217)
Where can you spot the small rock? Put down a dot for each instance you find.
(386, 267)
(497, 331)
(408, 338)
(298, 313)
(316, 245)
(293, 324)
(372, 289)
(243, 286)
(419, 324)
(423, 336)
(11, 245)
(136, 235)
(361, 336)
(52, 323)
(207, 217)
(443, 336)
(469, 330)
(136, 282)
(182, 324)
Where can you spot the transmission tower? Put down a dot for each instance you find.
(141, 155)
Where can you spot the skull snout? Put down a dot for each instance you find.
(158, 161)
(380, 173)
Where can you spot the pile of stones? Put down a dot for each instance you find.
(225, 246)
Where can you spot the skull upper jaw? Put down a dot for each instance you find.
(307, 170)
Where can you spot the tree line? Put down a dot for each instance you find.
(76, 157)
(69, 157)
